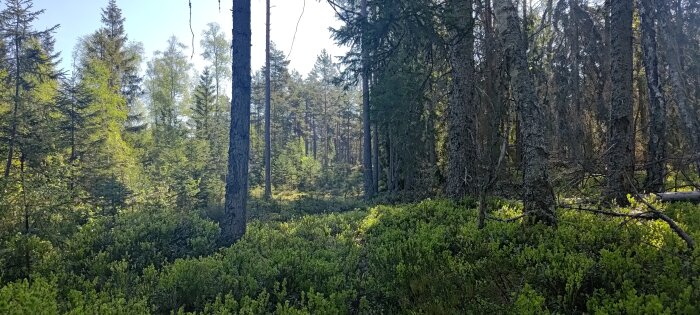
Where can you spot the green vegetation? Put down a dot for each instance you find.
(427, 257)
(488, 149)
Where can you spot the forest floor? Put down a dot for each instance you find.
(304, 254)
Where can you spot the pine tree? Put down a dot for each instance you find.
(657, 100)
(204, 111)
(111, 45)
(25, 59)
(538, 198)
(366, 131)
(268, 144)
(234, 222)
(620, 159)
(461, 161)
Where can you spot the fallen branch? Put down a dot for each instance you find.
(652, 214)
(660, 215)
(639, 215)
(689, 196)
(672, 224)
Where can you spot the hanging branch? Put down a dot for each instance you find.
(303, 8)
(191, 30)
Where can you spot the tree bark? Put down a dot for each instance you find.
(376, 158)
(688, 114)
(268, 144)
(461, 141)
(234, 221)
(538, 197)
(620, 158)
(366, 132)
(657, 102)
(576, 143)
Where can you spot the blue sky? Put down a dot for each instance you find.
(153, 21)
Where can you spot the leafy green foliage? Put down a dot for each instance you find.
(21, 298)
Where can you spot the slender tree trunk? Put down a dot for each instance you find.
(657, 102)
(389, 161)
(461, 141)
(366, 132)
(307, 143)
(27, 230)
(315, 137)
(234, 222)
(606, 71)
(688, 114)
(376, 158)
(431, 134)
(268, 144)
(324, 131)
(538, 197)
(620, 159)
(16, 99)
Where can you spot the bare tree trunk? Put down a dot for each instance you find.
(366, 132)
(620, 158)
(16, 99)
(234, 221)
(538, 197)
(324, 130)
(657, 102)
(315, 137)
(27, 230)
(307, 143)
(268, 142)
(576, 143)
(688, 114)
(376, 158)
(461, 139)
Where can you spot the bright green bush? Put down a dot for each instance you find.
(112, 252)
(307, 262)
(20, 297)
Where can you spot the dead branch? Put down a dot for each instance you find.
(689, 196)
(672, 224)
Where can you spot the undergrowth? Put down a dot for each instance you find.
(426, 257)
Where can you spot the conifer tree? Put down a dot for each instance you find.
(24, 59)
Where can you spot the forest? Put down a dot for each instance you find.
(463, 157)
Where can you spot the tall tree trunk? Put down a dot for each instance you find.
(324, 131)
(431, 133)
(315, 137)
(376, 158)
(576, 143)
(620, 158)
(538, 197)
(234, 221)
(657, 102)
(461, 139)
(27, 230)
(268, 144)
(688, 114)
(16, 100)
(366, 132)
